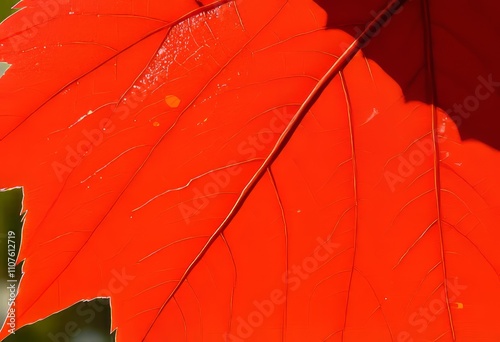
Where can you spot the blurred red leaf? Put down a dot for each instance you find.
(243, 171)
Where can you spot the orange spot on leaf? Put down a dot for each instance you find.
(172, 101)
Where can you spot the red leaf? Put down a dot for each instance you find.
(237, 170)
